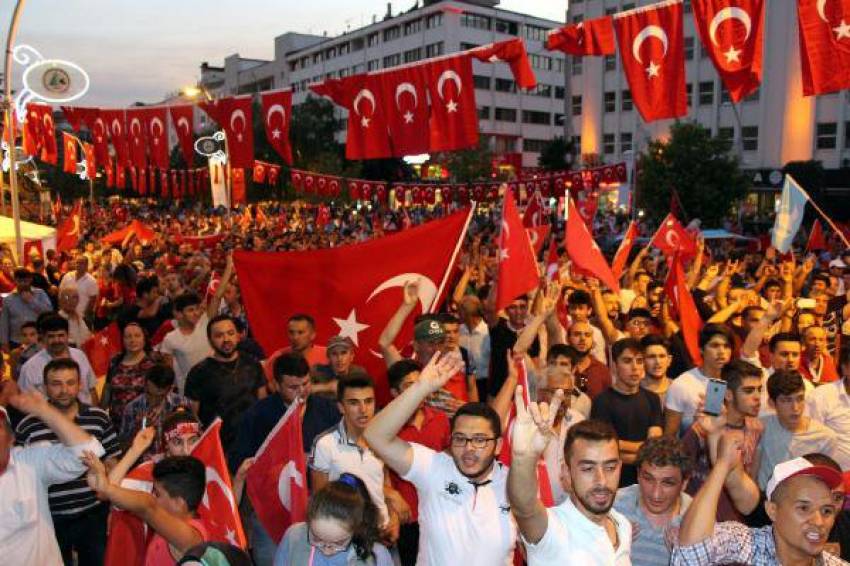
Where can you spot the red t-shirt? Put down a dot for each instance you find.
(828, 371)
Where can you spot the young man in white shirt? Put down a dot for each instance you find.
(187, 344)
(830, 404)
(464, 514)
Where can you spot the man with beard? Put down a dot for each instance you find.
(464, 514)
(225, 384)
(592, 377)
(580, 309)
(584, 527)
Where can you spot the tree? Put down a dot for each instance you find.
(707, 180)
(468, 165)
(312, 132)
(558, 155)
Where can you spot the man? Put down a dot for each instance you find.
(742, 401)
(151, 310)
(584, 527)
(830, 404)
(79, 518)
(464, 514)
(634, 412)
(188, 344)
(580, 309)
(656, 361)
(53, 330)
(800, 506)
(301, 331)
(638, 321)
(789, 433)
(657, 503)
(25, 304)
(28, 347)
(150, 408)
(451, 345)
(86, 284)
(816, 364)
(503, 336)
(225, 384)
(78, 330)
(688, 390)
(27, 535)
(173, 285)
(340, 351)
(475, 337)
(592, 376)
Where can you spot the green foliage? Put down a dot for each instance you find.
(554, 155)
(699, 167)
(312, 133)
(468, 165)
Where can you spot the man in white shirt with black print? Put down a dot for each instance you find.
(464, 514)
(584, 529)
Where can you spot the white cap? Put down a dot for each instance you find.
(837, 263)
(802, 467)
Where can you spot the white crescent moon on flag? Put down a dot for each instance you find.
(276, 109)
(157, 122)
(506, 230)
(406, 87)
(213, 477)
(99, 122)
(116, 127)
(533, 236)
(76, 229)
(284, 491)
(48, 120)
(184, 122)
(822, 10)
(448, 75)
(237, 114)
(729, 13)
(427, 288)
(367, 94)
(646, 33)
(672, 239)
(135, 122)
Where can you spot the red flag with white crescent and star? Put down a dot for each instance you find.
(235, 115)
(99, 134)
(590, 37)
(518, 273)
(136, 138)
(537, 236)
(454, 116)
(732, 34)
(824, 28)
(69, 143)
(672, 236)
(117, 129)
(404, 93)
(101, 347)
(183, 121)
(277, 112)
(128, 535)
(155, 122)
(652, 49)
(277, 482)
(552, 259)
(584, 252)
(622, 255)
(352, 290)
(512, 52)
(219, 509)
(683, 308)
(89, 151)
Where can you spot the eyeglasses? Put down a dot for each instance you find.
(639, 322)
(551, 392)
(329, 547)
(460, 441)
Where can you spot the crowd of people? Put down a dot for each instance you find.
(573, 425)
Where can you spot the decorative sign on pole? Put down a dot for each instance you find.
(54, 81)
(212, 146)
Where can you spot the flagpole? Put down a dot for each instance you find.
(10, 126)
(821, 212)
(458, 245)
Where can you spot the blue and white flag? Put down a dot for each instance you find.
(792, 206)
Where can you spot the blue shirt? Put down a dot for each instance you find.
(17, 311)
(649, 547)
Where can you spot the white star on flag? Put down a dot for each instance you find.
(364, 122)
(503, 255)
(349, 327)
(276, 134)
(104, 341)
(733, 55)
(652, 70)
(239, 137)
(842, 31)
(451, 106)
(231, 537)
(408, 117)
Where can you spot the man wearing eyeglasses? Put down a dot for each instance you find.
(464, 514)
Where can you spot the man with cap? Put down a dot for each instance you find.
(340, 351)
(23, 305)
(800, 505)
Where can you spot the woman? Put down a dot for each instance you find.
(125, 379)
(341, 529)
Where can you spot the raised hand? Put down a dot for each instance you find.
(96, 477)
(143, 439)
(550, 299)
(532, 429)
(730, 448)
(411, 292)
(440, 370)
(29, 402)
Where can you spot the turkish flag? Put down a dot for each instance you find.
(238, 112)
(121, 177)
(537, 236)
(277, 113)
(128, 535)
(583, 251)
(518, 272)
(351, 290)
(69, 143)
(89, 152)
(101, 347)
(683, 308)
(824, 45)
(273, 175)
(218, 510)
(625, 249)
(156, 132)
(511, 51)
(817, 241)
(238, 192)
(535, 212)
(591, 37)
(49, 151)
(99, 135)
(652, 50)
(587, 207)
(671, 236)
(552, 260)
(732, 34)
(117, 128)
(40, 133)
(137, 141)
(259, 172)
(454, 116)
(277, 482)
(404, 93)
(110, 175)
(74, 117)
(183, 121)
(163, 182)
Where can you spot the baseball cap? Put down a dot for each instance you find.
(340, 342)
(837, 263)
(428, 330)
(802, 467)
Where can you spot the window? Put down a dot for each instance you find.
(706, 93)
(558, 65)
(392, 60)
(505, 85)
(847, 134)
(536, 117)
(727, 135)
(467, 46)
(625, 141)
(689, 93)
(608, 144)
(627, 7)
(372, 39)
(434, 49)
(412, 55)
(754, 96)
(507, 27)
(357, 44)
(689, 49)
(330, 53)
(750, 138)
(626, 104)
(344, 49)
(610, 63)
(412, 27)
(560, 92)
(557, 119)
(477, 21)
(534, 146)
(610, 102)
(535, 33)
(392, 33)
(317, 57)
(483, 112)
(505, 115)
(576, 105)
(434, 20)
(481, 83)
(725, 97)
(357, 69)
(576, 66)
(542, 90)
(373, 65)
(344, 73)
(827, 135)
(610, 11)
(541, 62)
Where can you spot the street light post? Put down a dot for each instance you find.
(201, 90)
(739, 138)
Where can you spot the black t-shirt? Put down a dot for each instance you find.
(502, 339)
(149, 324)
(631, 416)
(226, 390)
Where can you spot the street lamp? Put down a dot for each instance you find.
(195, 92)
(10, 124)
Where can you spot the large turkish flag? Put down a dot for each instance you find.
(277, 114)
(824, 45)
(518, 273)
(671, 237)
(136, 127)
(155, 121)
(683, 308)
(732, 34)
(583, 250)
(350, 290)
(454, 117)
(183, 120)
(405, 97)
(591, 37)
(652, 49)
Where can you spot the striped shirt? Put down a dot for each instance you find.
(73, 497)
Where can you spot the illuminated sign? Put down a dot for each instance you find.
(54, 81)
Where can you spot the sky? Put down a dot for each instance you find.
(142, 51)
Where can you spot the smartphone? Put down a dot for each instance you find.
(715, 392)
(806, 304)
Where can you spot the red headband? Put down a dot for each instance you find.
(182, 429)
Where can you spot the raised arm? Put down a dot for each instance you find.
(390, 333)
(750, 347)
(215, 302)
(696, 266)
(66, 430)
(141, 442)
(609, 331)
(503, 401)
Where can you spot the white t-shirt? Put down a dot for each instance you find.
(572, 538)
(86, 286)
(459, 523)
(765, 409)
(186, 349)
(684, 394)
